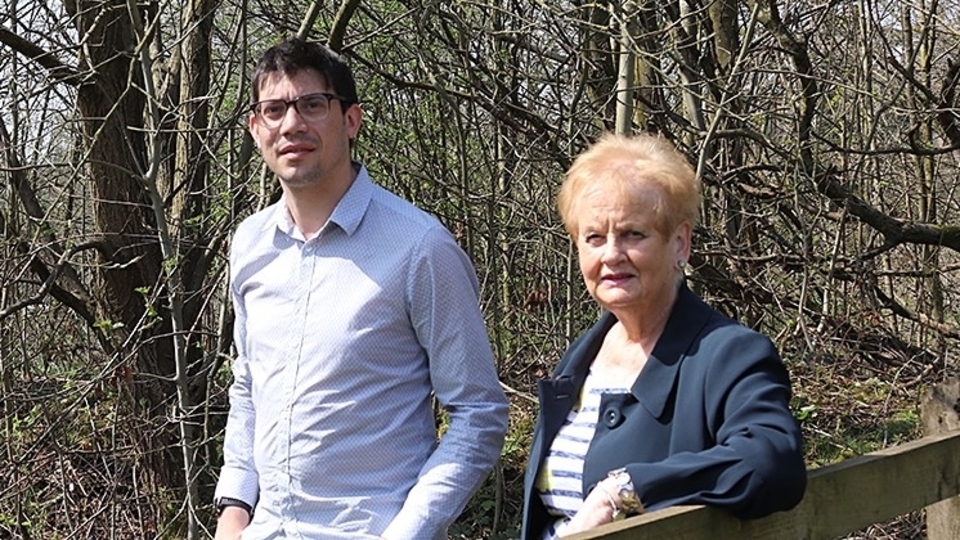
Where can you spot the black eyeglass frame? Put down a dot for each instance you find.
(255, 108)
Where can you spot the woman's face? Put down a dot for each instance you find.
(626, 262)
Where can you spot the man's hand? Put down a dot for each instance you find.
(231, 523)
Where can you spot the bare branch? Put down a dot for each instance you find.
(57, 69)
(947, 330)
(309, 19)
(64, 283)
(49, 286)
(340, 22)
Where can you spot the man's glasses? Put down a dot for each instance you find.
(311, 107)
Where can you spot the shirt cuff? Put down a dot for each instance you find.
(238, 484)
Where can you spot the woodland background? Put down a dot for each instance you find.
(827, 135)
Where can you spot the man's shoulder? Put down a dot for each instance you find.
(252, 227)
(406, 216)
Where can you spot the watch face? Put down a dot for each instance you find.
(628, 495)
(629, 501)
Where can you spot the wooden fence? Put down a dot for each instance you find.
(840, 498)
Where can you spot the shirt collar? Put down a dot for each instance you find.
(350, 210)
(347, 214)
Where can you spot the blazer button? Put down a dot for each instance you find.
(612, 417)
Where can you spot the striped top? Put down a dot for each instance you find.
(560, 482)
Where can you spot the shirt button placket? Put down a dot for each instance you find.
(308, 252)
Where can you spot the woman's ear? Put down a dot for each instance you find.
(682, 236)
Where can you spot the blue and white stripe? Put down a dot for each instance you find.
(560, 482)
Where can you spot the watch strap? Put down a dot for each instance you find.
(224, 502)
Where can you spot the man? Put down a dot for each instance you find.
(352, 308)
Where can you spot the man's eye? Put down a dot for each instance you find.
(313, 104)
(273, 109)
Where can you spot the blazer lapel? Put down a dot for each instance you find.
(656, 382)
(559, 393)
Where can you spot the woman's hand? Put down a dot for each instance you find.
(598, 508)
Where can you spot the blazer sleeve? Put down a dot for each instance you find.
(731, 399)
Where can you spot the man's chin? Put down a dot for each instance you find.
(297, 178)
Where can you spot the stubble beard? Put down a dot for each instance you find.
(302, 178)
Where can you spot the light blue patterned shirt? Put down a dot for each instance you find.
(340, 341)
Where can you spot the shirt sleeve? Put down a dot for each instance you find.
(444, 309)
(238, 477)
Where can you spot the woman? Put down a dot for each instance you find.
(664, 401)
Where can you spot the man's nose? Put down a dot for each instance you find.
(292, 121)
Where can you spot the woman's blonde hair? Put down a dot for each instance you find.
(621, 162)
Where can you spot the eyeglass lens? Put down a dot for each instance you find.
(311, 107)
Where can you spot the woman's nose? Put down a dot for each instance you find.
(612, 250)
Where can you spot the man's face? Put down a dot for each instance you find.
(304, 152)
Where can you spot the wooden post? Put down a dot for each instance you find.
(941, 414)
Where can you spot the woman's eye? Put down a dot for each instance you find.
(592, 238)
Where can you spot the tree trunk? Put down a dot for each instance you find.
(130, 258)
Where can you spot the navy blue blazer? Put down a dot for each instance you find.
(706, 422)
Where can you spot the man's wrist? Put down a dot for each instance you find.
(231, 522)
(225, 504)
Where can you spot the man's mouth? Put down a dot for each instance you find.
(295, 150)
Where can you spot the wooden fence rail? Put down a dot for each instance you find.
(840, 498)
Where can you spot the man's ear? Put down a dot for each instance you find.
(352, 118)
(252, 127)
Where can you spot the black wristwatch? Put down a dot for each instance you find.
(224, 502)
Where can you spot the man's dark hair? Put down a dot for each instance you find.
(294, 55)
